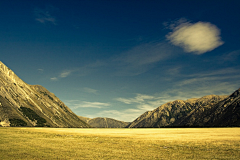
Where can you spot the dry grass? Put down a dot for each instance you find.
(61, 143)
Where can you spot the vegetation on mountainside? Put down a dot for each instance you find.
(33, 116)
(17, 122)
(45, 94)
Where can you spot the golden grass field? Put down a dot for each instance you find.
(73, 143)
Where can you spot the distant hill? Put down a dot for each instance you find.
(208, 111)
(100, 122)
(22, 104)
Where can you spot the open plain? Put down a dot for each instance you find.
(162, 143)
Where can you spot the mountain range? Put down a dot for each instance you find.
(208, 111)
(22, 104)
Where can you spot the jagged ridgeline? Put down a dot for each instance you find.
(22, 104)
(208, 111)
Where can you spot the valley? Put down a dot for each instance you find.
(24, 105)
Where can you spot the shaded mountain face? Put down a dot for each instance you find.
(100, 122)
(225, 113)
(208, 111)
(31, 105)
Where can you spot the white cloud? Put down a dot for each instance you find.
(199, 38)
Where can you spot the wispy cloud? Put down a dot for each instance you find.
(65, 73)
(83, 70)
(211, 76)
(137, 106)
(90, 90)
(174, 71)
(92, 105)
(135, 61)
(141, 103)
(198, 38)
(220, 72)
(141, 58)
(54, 79)
(198, 86)
(232, 56)
(198, 89)
(84, 104)
(44, 15)
(145, 54)
(127, 115)
(40, 70)
(91, 67)
(218, 82)
(138, 99)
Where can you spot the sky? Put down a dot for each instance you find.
(119, 59)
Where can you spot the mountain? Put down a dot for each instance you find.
(85, 119)
(100, 122)
(208, 111)
(225, 113)
(22, 104)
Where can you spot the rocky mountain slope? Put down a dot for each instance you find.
(224, 113)
(22, 104)
(208, 111)
(100, 122)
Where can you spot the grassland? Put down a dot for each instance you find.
(62, 143)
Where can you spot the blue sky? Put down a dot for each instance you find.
(119, 59)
